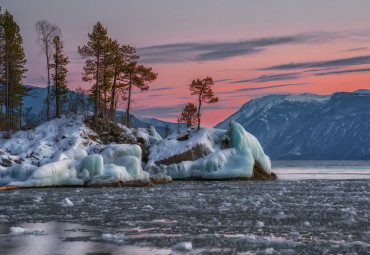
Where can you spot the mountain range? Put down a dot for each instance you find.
(309, 126)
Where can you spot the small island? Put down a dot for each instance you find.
(67, 152)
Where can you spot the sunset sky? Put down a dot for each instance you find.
(250, 48)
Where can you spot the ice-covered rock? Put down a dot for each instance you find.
(75, 154)
(93, 164)
(241, 140)
(161, 178)
(64, 151)
(112, 152)
(210, 154)
(131, 164)
(106, 165)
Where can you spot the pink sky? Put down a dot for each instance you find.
(251, 48)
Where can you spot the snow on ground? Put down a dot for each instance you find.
(215, 154)
(64, 151)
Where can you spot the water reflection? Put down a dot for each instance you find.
(65, 238)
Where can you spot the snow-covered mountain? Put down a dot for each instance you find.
(309, 126)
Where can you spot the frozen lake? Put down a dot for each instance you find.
(298, 214)
(322, 169)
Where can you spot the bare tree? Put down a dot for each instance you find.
(46, 33)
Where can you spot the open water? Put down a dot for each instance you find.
(309, 210)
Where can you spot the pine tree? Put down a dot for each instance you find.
(121, 56)
(60, 89)
(93, 52)
(203, 89)
(2, 81)
(189, 114)
(137, 76)
(12, 69)
(46, 33)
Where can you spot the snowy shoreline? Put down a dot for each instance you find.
(66, 152)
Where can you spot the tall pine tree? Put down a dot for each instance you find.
(93, 52)
(137, 76)
(121, 56)
(59, 67)
(12, 62)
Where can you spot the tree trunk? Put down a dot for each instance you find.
(113, 95)
(96, 90)
(20, 117)
(105, 92)
(48, 68)
(200, 104)
(128, 104)
(7, 88)
(57, 88)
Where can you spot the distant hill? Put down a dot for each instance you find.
(34, 110)
(309, 126)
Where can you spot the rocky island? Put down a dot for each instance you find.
(67, 151)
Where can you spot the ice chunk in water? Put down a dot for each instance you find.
(17, 231)
(259, 224)
(67, 202)
(183, 246)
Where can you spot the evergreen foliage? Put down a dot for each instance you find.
(60, 89)
(137, 76)
(122, 56)
(12, 69)
(189, 115)
(203, 88)
(94, 52)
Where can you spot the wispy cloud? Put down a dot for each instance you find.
(356, 49)
(222, 80)
(273, 77)
(360, 60)
(164, 110)
(345, 71)
(260, 88)
(206, 51)
(161, 89)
